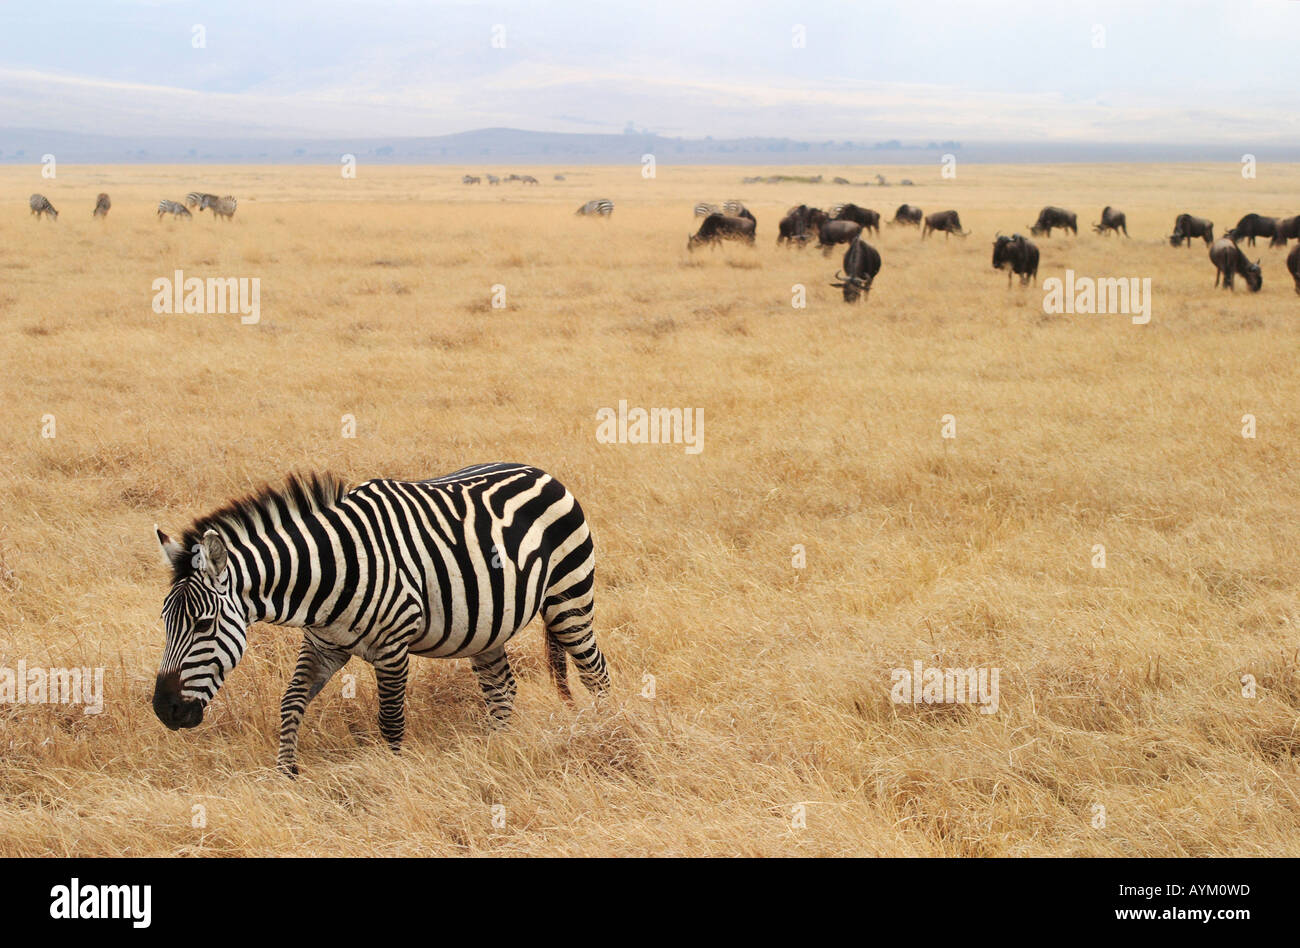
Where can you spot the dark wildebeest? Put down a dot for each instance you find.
(41, 206)
(1186, 227)
(869, 219)
(718, 227)
(1252, 226)
(799, 224)
(837, 232)
(907, 214)
(947, 221)
(861, 264)
(1288, 228)
(1019, 255)
(1111, 220)
(1293, 265)
(1229, 260)
(102, 204)
(1050, 217)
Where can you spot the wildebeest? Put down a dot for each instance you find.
(1058, 217)
(837, 232)
(560, 177)
(719, 227)
(1111, 220)
(799, 224)
(838, 180)
(869, 219)
(1229, 260)
(1288, 228)
(1186, 227)
(102, 204)
(1018, 255)
(861, 264)
(907, 214)
(1293, 265)
(1252, 226)
(41, 206)
(528, 179)
(174, 208)
(946, 221)
(602, 207)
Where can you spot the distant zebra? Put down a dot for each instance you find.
(492, 179)
(559, 177)
(199, 199)
(529, 179)
(600, 208)
(451, 567)
(469, 179)
(173, 208)
(704, 210)
(102, 204)
(41, 206)
(223, 207)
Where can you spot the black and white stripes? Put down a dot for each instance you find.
(173, 208)
(41, 206)
(603, 207)
(444, 568)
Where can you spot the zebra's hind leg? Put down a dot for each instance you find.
(569, 623)
(498, 683)
(316, 664)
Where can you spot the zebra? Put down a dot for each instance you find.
(560, 177)
(734, 209)
(469, 179)
(451, 567)
(102, 205)
(602, 207)
(174, 209)
(492, 179)
(223, 207)
(528, 179)
(41, 206)
(199, 199)
(704, 210)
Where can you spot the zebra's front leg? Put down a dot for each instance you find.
(498, 683)
(390, 677)
(316, 664)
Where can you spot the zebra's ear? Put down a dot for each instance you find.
(214, 550)
(171, 550)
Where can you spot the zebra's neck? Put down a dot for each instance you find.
(276, 572)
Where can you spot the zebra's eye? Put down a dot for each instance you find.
(203, 627)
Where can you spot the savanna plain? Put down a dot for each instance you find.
(753, 599)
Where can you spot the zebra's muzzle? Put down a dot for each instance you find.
(172, 708)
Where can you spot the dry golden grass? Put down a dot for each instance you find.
(1120, 687)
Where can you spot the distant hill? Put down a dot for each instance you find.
(496, 146)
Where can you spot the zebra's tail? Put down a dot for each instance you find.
(557, 662)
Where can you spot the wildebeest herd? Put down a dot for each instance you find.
(1017, 254)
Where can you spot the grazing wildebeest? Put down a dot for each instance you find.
(1019, 255)
(837, 232)
(907, 214)
(102, 204)
(41, 206)
(1252, 226)
(869, 219)
(946, 221)
(719, 227)
(1059, 217)
(1293, 265)
(1229, 260)
(838, 180)
(799, 224)
(861, 264)
(1186, 227)
(1111, 220)
(1288, 228)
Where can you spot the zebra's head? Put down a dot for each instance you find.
(207, 629)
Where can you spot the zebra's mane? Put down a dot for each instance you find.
(301, 492)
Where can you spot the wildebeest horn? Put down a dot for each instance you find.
(840, 285)
(839, 275)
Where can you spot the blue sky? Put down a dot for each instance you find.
(929, 69)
